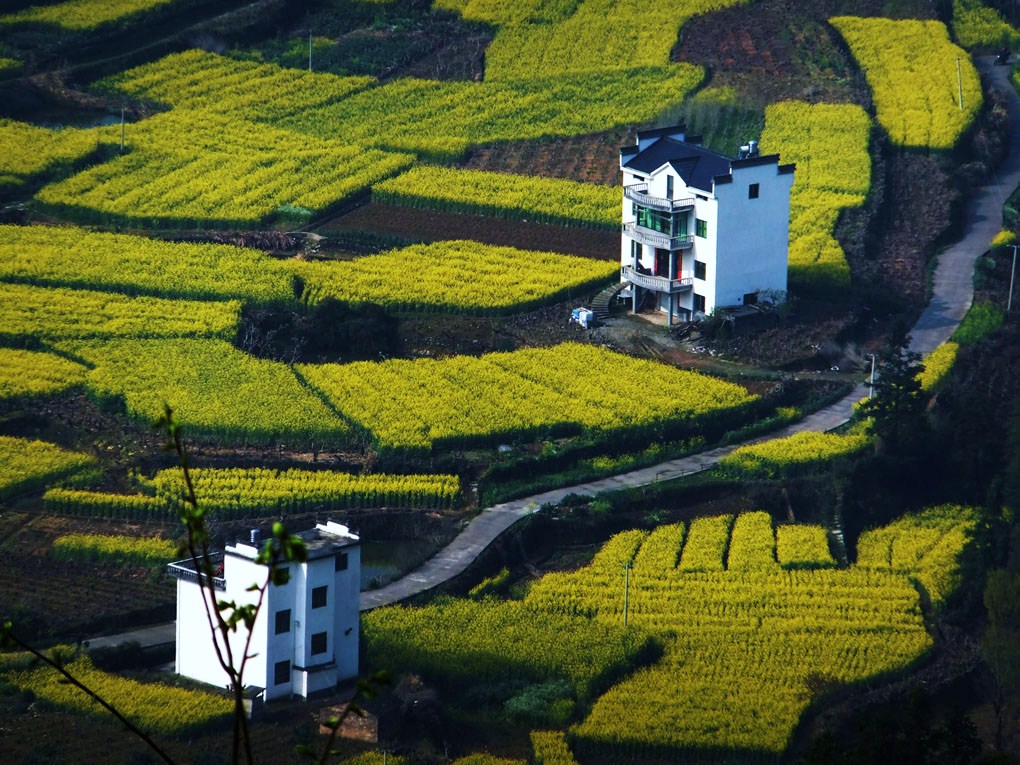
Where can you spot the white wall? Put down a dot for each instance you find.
(195, 653)
(706, 250)
(753, 245)
(347, 616)
(318, 572)
(277, 647)
(195, 656)
(240, 574)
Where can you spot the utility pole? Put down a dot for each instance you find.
(1012, 277)
(871, 392)
(959, 82)
(310, 53)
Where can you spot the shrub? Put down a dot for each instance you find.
(981, 320)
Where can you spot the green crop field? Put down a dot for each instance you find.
(829, 144)
(156, 707)
(425, 404)
(35, 373)
(742, 640)
(82, 14)
(547, 200)
(137, 265)
(456, 277)
(230, 493)
(911, 67)
(32, 465)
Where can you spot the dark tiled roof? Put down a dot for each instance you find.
(696, 165)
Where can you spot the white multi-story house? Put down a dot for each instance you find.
(701, 230)
(305, 638)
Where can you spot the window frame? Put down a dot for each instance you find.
(699, 303)
(700, 270)
(701, 228)
(753, 190)
(320, 593)
(282, 614)
(281, 668)
(319, 636)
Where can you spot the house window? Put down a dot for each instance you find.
(700, 270)
(699, 303)
(635, 251)
(752, 191)
(701, 228)
(319, 596)
(671, 224)
(340, 562)
(282, 621)
(669, 187)
(318, 643)
(281, 673)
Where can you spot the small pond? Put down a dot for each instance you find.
(386, 560)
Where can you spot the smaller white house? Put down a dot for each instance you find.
(701, 230)
(305, 638)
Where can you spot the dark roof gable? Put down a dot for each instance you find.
(696, 165)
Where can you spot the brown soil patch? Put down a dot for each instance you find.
(908, 231)
(441, 336)
(593, 158)
(433, 225)
(67, 598)
(456, 56)
(778, 49)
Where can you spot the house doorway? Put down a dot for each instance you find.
(662, 263)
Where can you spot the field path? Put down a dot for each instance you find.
(952, 294)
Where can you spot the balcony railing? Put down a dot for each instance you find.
(657, 283)
(655, 239)
(639, 193)
(188, 571)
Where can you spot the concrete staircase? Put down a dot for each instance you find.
(600, 304)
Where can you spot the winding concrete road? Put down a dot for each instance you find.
(952, 294)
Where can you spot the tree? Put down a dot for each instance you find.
(1000, 645)
(898, 404)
